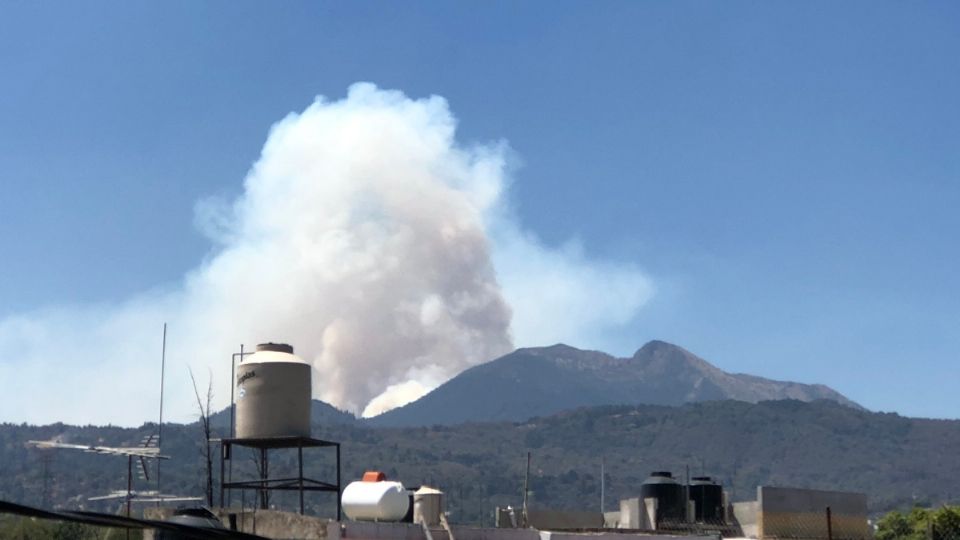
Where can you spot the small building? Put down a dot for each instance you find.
(781, 512)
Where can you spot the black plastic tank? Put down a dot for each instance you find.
(670, 496)
(707, 496)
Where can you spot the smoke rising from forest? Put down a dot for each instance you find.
(366, 236)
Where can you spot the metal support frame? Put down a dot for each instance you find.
(129, 482)
(265, 484)
(233, 406)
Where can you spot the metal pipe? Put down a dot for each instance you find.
(233, 409)
(233, 384)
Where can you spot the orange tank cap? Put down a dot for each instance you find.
(374, 476)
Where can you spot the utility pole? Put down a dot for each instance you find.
(602, 483)
(163, 364)
(526, 490)
(46, 457)
(830, 525)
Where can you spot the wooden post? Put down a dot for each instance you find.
(829, 525)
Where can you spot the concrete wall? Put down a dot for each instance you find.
(392, 531)
(801, 513)
(631, 516)
(275, 524)
(611, 520)
(745, 517)
(637, 514)
(545, 519)
(401, 531)
(546, 535)
(268, 523)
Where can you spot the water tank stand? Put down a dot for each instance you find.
(265, 484)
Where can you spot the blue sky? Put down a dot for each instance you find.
(786, 174)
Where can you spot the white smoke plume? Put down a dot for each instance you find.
(365, 236)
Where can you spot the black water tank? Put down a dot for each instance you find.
(671, 502)
(708, 498)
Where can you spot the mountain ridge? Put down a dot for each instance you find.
(897, 461)
(539, 381)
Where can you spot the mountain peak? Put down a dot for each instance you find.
(656, 347)
(662, 356)
(540, 381)
(655, 344)
(555, 348)
(564, 353)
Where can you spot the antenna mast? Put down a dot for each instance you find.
(163, 365)
(603, 477)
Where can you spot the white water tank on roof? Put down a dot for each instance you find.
(427, 506)
(273, 394)
(375, 501)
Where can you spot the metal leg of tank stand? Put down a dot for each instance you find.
(263, 478)
(446, 526)
(300, 464)
(339, 508)
(223, 450)
(129, 482)
(426, 530)
(129, 487)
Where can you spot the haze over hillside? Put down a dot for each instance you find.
(545, 380)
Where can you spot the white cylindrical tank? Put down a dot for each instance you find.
(427, 506)
(273, 394)
(375, 501)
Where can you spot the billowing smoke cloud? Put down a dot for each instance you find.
(365, 236)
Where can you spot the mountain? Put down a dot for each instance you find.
(546, 380)
(320, 413)
(896, 461)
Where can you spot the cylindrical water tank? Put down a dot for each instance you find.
(671, 500)
(427, 506)
(273, 394)
(375, 501)
(707, 497)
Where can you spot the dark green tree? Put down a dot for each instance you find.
(921, 524)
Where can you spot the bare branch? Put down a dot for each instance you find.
(196, 392)
(207, 451)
